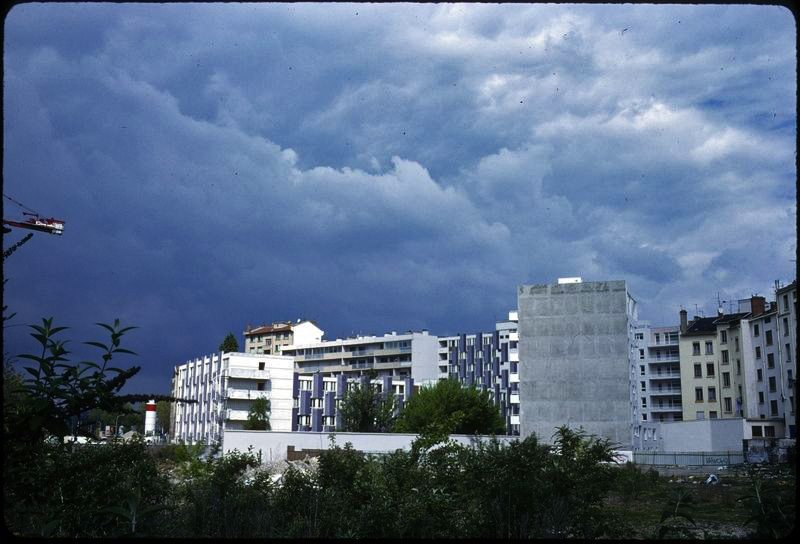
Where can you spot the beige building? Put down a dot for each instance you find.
(270, 339)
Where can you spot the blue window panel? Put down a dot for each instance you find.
(305, 403)
(504, 379)
(341, 386)
(479, 340)
(487, 377)
(462, 370)
(316, 420)
(387, 386)
(316, 386)
(470, 355)
(496, 394)
(504, 352)
(295, 386)
(462, 342)
(495, 339)
(487, 352)
(479, 368)
(496, 367)
(409, 389)
(339, 420)
(514, 366)
(330, 403)
(470, 378)
(294, 419)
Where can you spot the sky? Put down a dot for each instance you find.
(379, 167)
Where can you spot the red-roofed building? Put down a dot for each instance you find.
(269, 339)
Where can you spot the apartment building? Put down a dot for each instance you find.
(489, 361)
(577, 350)
(270, 339)
(656, 382)
(325, 369)
(769, 353)
(225, 385)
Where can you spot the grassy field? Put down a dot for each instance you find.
(723, 510)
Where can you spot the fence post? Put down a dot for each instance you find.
(675, 459)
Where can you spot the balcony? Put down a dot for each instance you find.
(247, 394)
(513, 356)
(667, 407)
(513, 378)
(514, 399)
(236, 415)
(513, 336)
(248, 373)
(514, 420)
(666, 391)
(665, 375)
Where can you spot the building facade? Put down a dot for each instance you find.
(224, 386)
(270, 339)
(576, 354)
(489, 361)
(325, 370)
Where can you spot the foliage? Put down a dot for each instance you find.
(229, 344)
(677, 508)
(630, 481)
(258, 416)
(771, 508)
(451, 408)
(74, 491)
(365, 410)
(163, 413)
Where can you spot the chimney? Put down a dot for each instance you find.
(684, 325)
(757, 305)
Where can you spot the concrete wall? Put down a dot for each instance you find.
(703, 435)
(273, 445)
(424, 357)
(574, 349)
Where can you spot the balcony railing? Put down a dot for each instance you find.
(247, 394)
(248, 373)
(666, 407)
(236, 415)
(666, 391)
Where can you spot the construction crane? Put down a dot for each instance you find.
(35, 221)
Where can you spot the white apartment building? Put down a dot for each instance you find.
(325, 369)
(225, 386)
(489, 361)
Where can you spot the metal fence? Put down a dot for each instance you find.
(708, 458)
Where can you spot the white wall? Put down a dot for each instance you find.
(703, 435)
(273, 444)
(306, 333)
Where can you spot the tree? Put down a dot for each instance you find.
(451, 408)
(229, 344)
(163, 412)
(365, 410)
(258, 416)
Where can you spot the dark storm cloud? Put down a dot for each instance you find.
(388, 167)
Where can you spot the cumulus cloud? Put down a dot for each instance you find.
(390, 167)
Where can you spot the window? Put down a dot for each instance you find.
(728, 404)
(644, 386)
(695, 348)
(658, 338)
(761, 397)
(261, 386)
(757, 431)
(712, 394)
(772, 384)
(644, 417)
(644, 402)
(698, 370)
(698, 394)
(785, 303)
(709, 348)
(712, 414)
(786, 326)
(641, 354)
(639, 336)
(725, 360)
(736, 343)
(710, 370)
(755, 329)
(738, 367)
(759, 375)
(773, 407)
(641, 370)
(788, 353)
(769, 431)
(261, 366)
(726, 379)
(768, 337)
(699, 415)
(758, 352)
(723, 337)
(770, 360)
